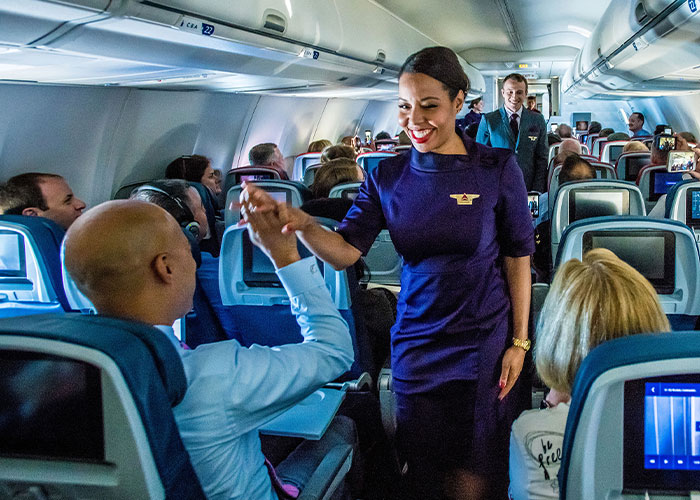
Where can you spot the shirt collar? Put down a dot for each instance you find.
(519, 112)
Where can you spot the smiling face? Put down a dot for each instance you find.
(635, 123)
(514, 94)
(427, 114)
(479, 107)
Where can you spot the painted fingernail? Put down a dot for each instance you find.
(501, 384)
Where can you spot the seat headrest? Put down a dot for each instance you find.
(126, 342)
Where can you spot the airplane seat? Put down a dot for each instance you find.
(553, 151)
(30, 272)
(248, 173)
(590, 140)
(683, 204)
(213, 243)
(662, 250)
(629, 164)
(302, 162)
(654, 181)
(402, 147)
(369, 161)
(256, 298)
(602, 171)
(631, 429)
(598, 146)
(383, 261)
(310, 174)
(611, 151)
(585, 150)
(87, 409)
(592, 198)
(293, 192)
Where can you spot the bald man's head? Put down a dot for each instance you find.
(131, 259)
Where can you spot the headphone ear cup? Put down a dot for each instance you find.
(193, 229)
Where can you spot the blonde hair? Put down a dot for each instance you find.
(318, 146)
(591, 301)
(634, 146)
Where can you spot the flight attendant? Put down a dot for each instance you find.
(457, 212)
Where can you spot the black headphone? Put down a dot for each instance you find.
(188, 224)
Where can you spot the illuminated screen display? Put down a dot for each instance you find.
(12, 263)
(254, 177)
(661, 181)
(587, 203)
(51, 408)
(533, 202)
(692, 214)
(662, 433)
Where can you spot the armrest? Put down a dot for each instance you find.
(387, 402)
(362, 383)
(329, 474)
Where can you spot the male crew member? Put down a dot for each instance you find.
(41, 195)
(518, 129)
(636, 125)
(132, 260)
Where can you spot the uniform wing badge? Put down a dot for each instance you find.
(464, 199)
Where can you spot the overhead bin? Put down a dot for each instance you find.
(642, 48)
(202, 43)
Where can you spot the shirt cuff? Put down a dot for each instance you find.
(301, 276)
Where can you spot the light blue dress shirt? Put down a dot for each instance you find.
(233, 390)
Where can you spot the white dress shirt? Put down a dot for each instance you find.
(232, 390)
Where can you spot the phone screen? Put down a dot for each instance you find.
(680, 161)
(533, 202)
(665, 142)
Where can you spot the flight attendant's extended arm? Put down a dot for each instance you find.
(519, 280)
(326, 245)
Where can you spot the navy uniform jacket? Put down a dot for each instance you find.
(530, 146)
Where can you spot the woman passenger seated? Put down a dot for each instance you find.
(338, 151)
(332, 173)
(318, 146)
(590, 301)
(195, 168)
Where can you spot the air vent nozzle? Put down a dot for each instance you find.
(640, 13)
(274, 21)
(381, 57)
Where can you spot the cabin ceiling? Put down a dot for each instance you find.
(496, 36)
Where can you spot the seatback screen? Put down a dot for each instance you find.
(586, 203)
(634, 165)
(258, 269)
(615, 152)
(692, 208)
(661, 181)
(662, 433)
(51, 407)
(652, 253)
(12, 261)
(254, 177)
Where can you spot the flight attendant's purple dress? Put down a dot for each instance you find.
(453, 218)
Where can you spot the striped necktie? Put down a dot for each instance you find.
(514, 125)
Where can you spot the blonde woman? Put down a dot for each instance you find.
(590, 301)
(635, 147)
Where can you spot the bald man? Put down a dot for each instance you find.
(132, 260)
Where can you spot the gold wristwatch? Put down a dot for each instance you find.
(524, 344)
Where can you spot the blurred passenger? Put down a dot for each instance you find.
(552, 139)
(384, 142)
(564, 131)
(594, 127)
(636, 125)
(404, 139)
(338, 151)
(196, 168)
(591, 301)
(634, 147)
(383, 136)
(41, 195)
(318, 146)
(574, 168)
(268, 155)
(532, 104)
(471, 130)
(618, 136)
(132, 260)
(605, 132)
(688, 136)
(567, 147)
(476, 110)
(659, 129)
